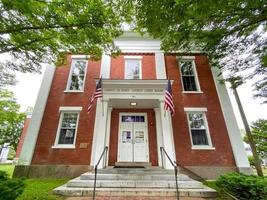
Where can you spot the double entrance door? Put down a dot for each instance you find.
(133, 139)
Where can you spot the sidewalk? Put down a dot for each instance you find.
(133, 198)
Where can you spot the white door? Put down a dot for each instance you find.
(133, 143)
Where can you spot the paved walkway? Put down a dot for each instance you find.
(133, 198)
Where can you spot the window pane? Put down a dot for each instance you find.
(66, 136)
(189, 83)
(187, 68)
(196, 121)
(132, 69)
(68, 127)
(77, 75)
(199, 137)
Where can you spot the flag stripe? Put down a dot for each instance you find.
(97, 94)
(168, 99)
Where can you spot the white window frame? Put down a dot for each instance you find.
(138, 58)
(63, 110)
(189, 110)
(192, 59)
(73, 59)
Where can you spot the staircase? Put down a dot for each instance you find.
(149, 182)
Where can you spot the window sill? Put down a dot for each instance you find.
(73, 91)
(63, 146)
(203, 148)
(192, 92)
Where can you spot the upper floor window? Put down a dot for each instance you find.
(77, 75)
(189, 75)
(133, 67)
(199, 131)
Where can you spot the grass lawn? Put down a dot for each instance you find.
(37, 189)
(7, 168)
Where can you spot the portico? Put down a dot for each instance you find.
(132, 96)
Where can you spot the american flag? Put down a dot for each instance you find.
(97, 93)
(168, 100)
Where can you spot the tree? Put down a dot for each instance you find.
(235, 82)
(39, 31)
(259, 135)
(11, 120)
(231, 32)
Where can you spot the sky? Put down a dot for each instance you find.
(26, 91)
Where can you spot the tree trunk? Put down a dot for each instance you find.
(248, 132)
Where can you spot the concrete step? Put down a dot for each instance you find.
(133, 184)
(136, 176)
(204, 192)
(133, 164)
(134, 171)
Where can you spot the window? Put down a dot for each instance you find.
(77, 75)
(198, 129)
(133, 69)
(188, 73)
(67, 128)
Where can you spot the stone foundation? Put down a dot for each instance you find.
(50, 171)
(209, 172)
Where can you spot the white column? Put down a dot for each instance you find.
(37, 116)
(108, 131)
(167, 133)
(160, 65)
(105, 66)
(159, 134)
(238, 148)
(99, 131)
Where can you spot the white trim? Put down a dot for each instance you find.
(105, 66)
(140, 69)
(36, 119)
(159, 134)
(73, 91)
(187, 57)
(63, 146)
(80, 56)
(192, 92)
(66, 146)
(70, 74)
(195, 109)
(160, 65)
(236, 141)
(133, 57)
(70, 108)
(192, 59)
(200, 147)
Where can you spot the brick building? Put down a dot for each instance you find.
(202, 136)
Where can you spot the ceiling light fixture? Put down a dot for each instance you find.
(133, 104)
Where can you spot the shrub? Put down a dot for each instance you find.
(10, 189)
(244, 187)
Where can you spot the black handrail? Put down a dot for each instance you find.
(105, 151)
(162, 150)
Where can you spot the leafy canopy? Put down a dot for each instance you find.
(11, 120)
(232, 32)
(259, 134)
(37, 31)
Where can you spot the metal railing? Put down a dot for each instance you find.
(104, 156)
(162, 150)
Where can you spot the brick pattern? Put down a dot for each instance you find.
(147, 65)
(44, 154)
(222, 155)
(152, 137)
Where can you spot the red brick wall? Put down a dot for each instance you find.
(148, 66)
(152, 137)
(44, 154)
(22, 136)
(222, 155)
